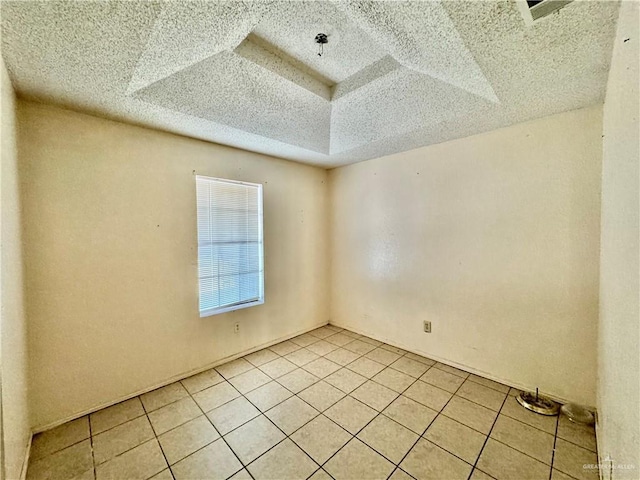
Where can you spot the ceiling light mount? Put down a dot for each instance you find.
(321, 39)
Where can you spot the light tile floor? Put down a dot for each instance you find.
(327, 404)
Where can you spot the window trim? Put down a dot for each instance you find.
(240, 305)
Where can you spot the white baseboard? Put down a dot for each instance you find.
(175, 378)
(446, 361)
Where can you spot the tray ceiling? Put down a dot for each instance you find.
(393, 77)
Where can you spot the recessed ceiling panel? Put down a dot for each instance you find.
(293, 26)
(227, 88)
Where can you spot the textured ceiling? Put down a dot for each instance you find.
(395, 75)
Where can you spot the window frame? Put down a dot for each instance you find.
(245, 304)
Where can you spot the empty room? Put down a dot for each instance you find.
(331, 239)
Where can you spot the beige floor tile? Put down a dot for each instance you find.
(284, 348)
(214, 462)
(301, 357)
(351, 334)
(359, 347)
(278, 368)
(173, 415)
(268, 395)
(321, 367)
(441, 379)
(380, 355)
(305, 340)
(428, 395)
(399, 474)
(571, 459)
(64, 464)
(254, 438)
(320, 475)
(350, 414)
(371, 341)
(163, 396)
(357, 461)
(186, 439)
(202, 380)
(163, 475)
(393, 349)
(375, 395)
(233, 368)
(449, 369)
(411, 414)
(341, 356)
(261, 357)
(321, 395)
(58, 438)
(232, 414)
(427, 461)
(505, 463)
(456, 438)
(297, 380)
(291, 414)
(241, 475)
(582, 435)
(142, 462)
(339, 339)
(250, 380)
(322, 347)
(366, 367)
(420, 358)
(285, 461)
(215, 396)
(119, 439)
(112, 416)
(513, 409)
(321, 438)
(388, 438)
(394, 379)
(558, 475)
(345, 380)
(524, 438)
(480, 475)
(489, 383)
(470, 414)
(482, 395)
(322, 332)
(410, 367)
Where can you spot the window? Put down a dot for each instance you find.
(230, 253)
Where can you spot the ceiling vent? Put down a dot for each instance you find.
(534, 10)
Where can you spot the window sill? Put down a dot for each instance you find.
(215, 311)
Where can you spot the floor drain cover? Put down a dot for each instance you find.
(577, 414)
(537, 403)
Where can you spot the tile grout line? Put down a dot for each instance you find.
(221, 437)
(553, 451)
(475, 465)
(421, 436)
(155, 438)
(378, 414)
(93, 457)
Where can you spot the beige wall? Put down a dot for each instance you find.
(13, 325)
(619, 328)
(493, 238)
(111, 269)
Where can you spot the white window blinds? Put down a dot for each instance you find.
(230, 253)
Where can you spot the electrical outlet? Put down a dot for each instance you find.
(427, 327)
(236, 328)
